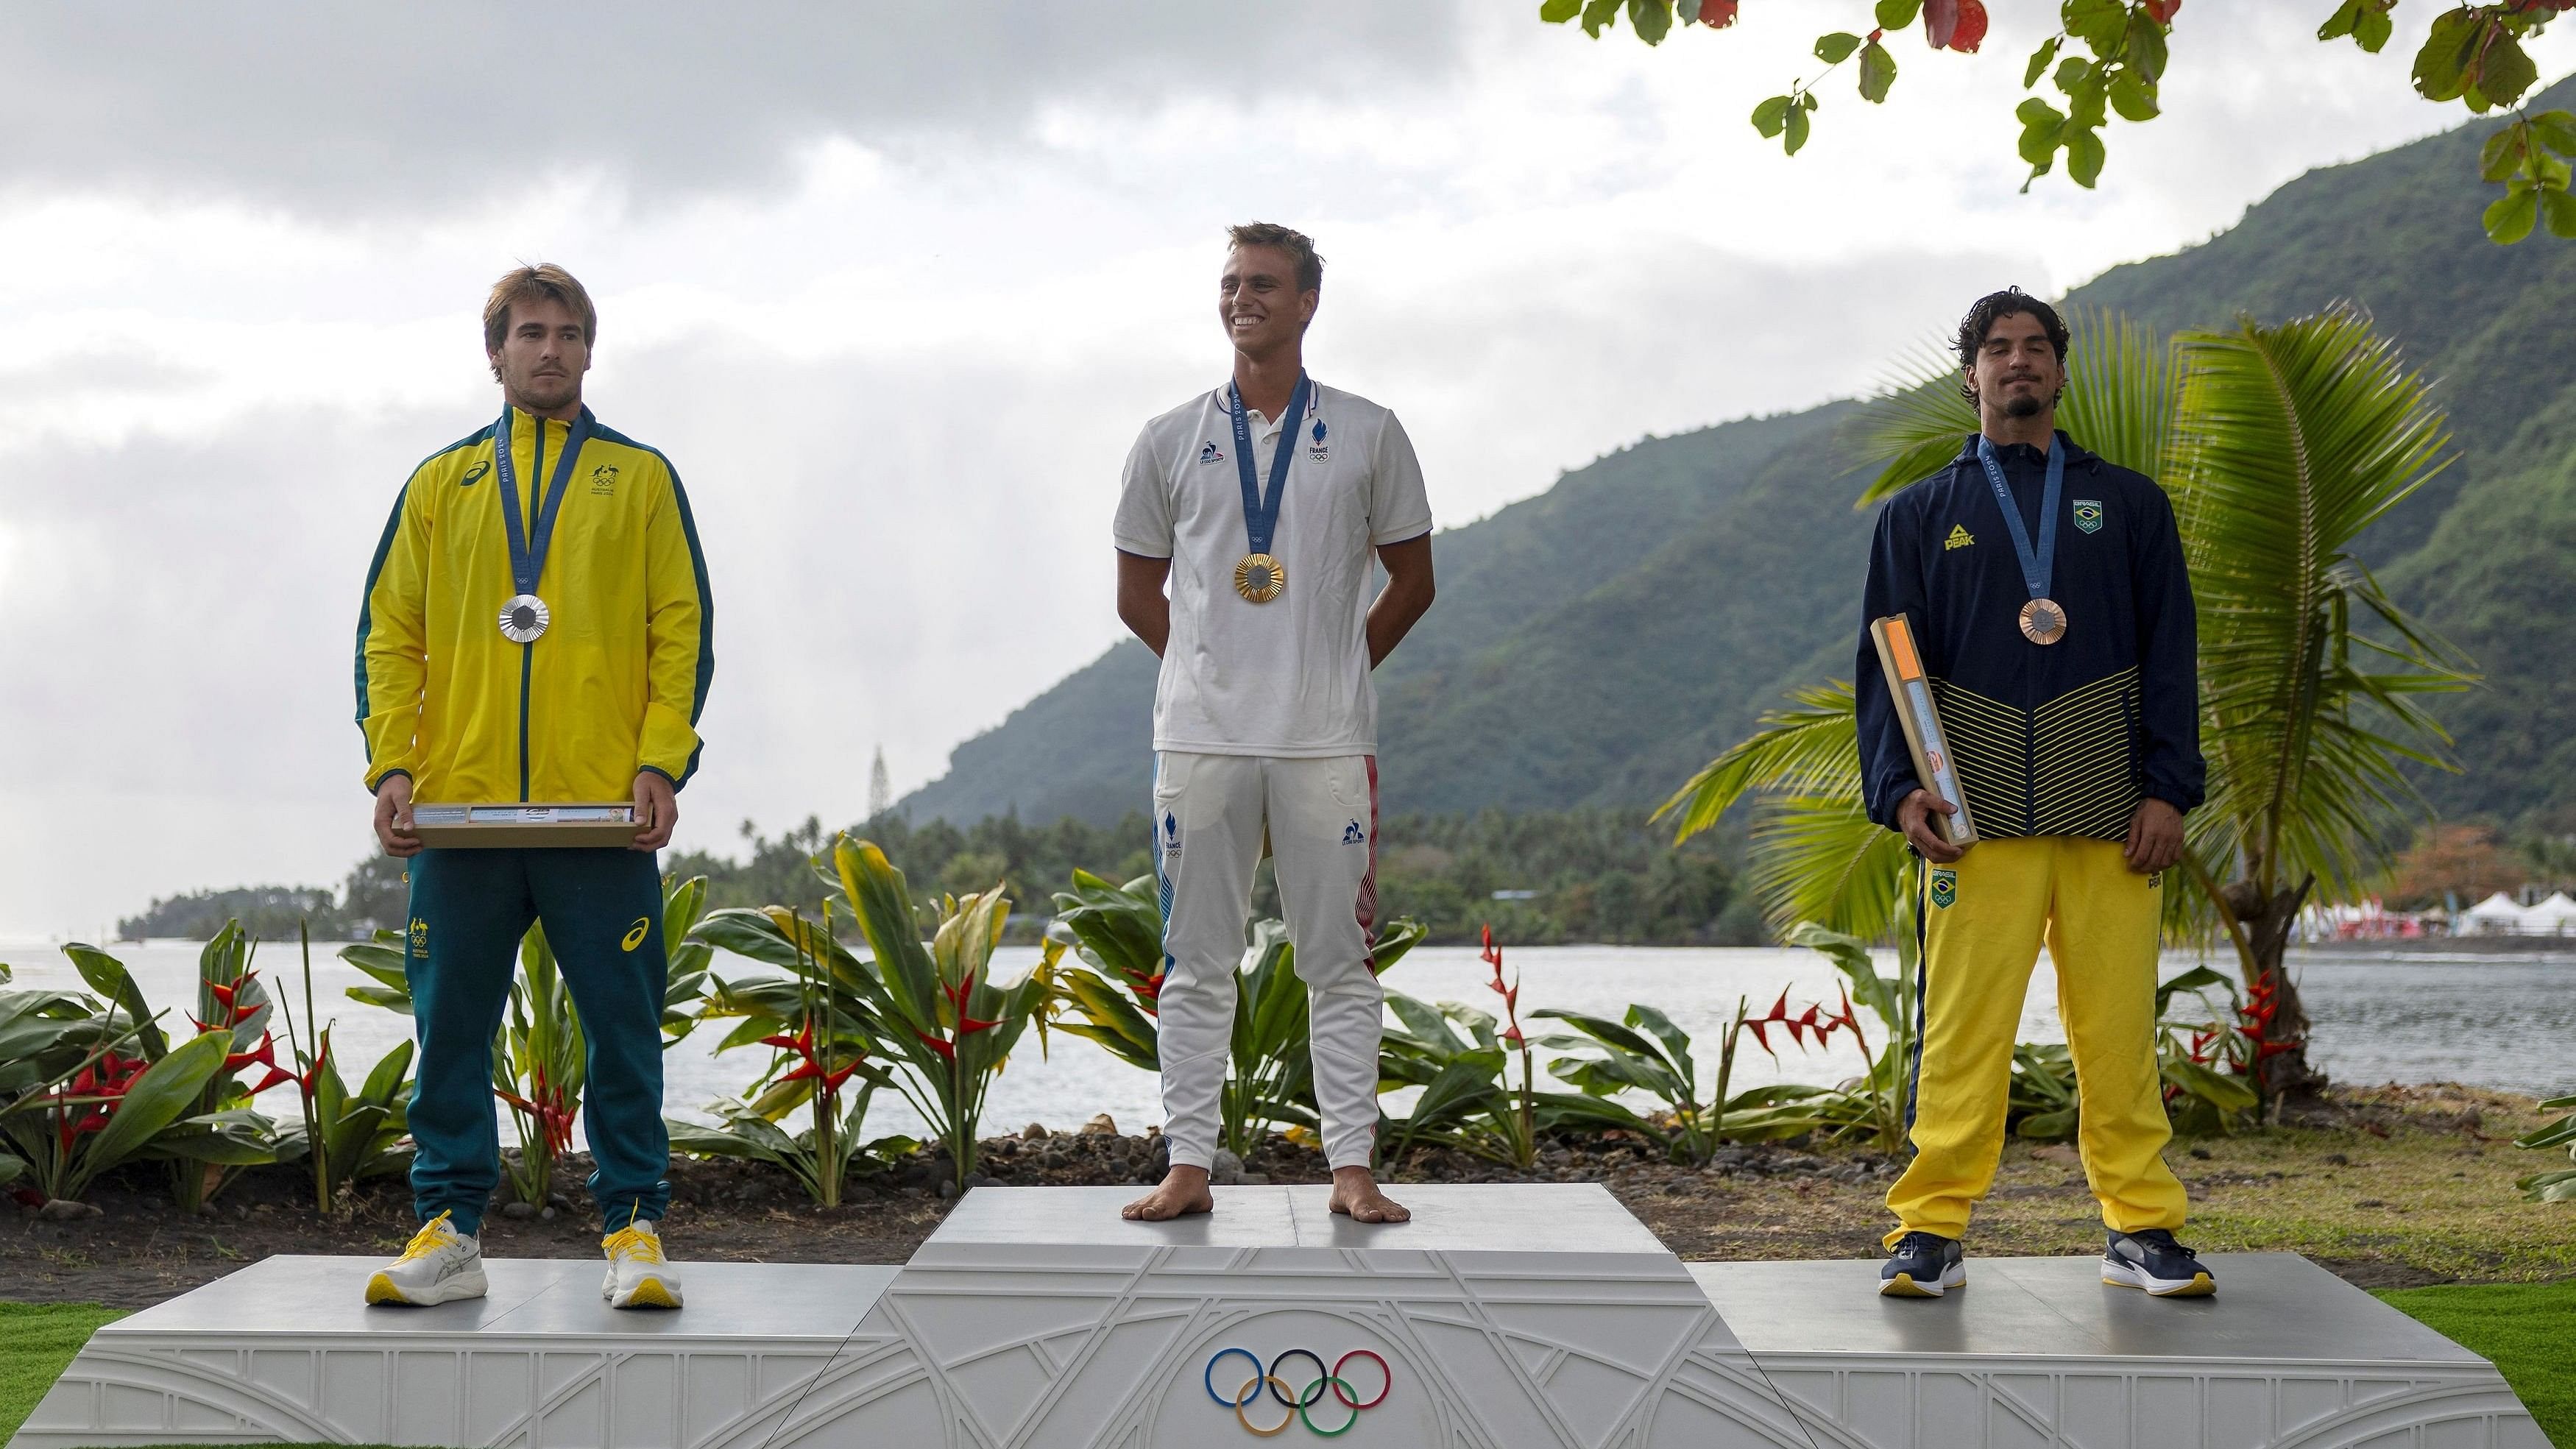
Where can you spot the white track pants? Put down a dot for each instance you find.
(1210, 813)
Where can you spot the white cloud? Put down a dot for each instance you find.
(900, 370)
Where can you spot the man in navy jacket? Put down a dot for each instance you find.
(2046, 590)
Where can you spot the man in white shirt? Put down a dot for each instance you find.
(1261, 503)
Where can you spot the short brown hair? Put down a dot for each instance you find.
(1299, 247)
(543, 282)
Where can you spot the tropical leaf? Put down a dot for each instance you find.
(1808, 750)
(2291, 440)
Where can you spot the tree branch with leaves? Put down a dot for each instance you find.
(2108, 58)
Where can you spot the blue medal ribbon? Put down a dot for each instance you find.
(1261, 513)
(2040, 566)
(528, 554)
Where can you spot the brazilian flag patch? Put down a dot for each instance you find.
(2088, 514)
(1945, 887)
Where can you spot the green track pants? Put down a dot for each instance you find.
(602, 910)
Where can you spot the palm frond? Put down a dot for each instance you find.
(2288, 442)
(1821, 858)
(1813, 749)
(1913, 427)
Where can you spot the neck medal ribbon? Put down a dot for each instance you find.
(524, 618)
(2043, 619)
(1260, 577)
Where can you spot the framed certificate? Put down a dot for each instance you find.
(1911, 688)
(454, 827)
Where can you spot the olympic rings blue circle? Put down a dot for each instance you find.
(1313, 1392)
(1207, 1378)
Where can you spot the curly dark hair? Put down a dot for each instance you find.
(1993, 307)
(1299, 247)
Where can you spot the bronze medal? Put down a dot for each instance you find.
(1259, 578)
(2042, 621)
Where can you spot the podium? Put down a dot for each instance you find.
(1502, 1317)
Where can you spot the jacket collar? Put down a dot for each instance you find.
(2077, 455)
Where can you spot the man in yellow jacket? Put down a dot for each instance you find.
(537, 628)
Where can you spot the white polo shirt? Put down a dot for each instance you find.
(1289, 678)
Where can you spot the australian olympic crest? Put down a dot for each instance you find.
(1292, 1402)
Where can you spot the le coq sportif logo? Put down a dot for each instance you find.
(1272, 1389)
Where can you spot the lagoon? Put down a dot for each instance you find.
(2403, 1015)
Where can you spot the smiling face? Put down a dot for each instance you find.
(542, 356)
(1258, 303)
(2017, 373)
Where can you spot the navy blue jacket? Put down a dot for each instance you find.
(2057, 739)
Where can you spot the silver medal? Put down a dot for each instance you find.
(524, 619)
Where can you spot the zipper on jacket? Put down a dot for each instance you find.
(528, 651)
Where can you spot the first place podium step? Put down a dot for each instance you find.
(1503, 1317)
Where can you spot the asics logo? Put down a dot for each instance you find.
(636, 933)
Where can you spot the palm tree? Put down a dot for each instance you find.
(2279, 445)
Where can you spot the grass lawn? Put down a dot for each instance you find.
(2524, 1327)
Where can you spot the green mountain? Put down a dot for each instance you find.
(1595, 644)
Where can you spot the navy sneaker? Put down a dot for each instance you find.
(1924, 1265)
(2154, 1261)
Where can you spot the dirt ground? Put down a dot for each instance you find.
(2388, 1187)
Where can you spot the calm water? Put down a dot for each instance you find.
(2497, 1022)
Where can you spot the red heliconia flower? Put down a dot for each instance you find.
(313, 1073)
(1513, 1035)
(957, 994)
(968, 1026)
(945, 1049)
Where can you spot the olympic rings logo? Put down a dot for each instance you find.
(1296, 1406)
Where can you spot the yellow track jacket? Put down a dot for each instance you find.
(615, 684)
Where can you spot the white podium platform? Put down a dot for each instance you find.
(1506, 1317)
(2039, 1351)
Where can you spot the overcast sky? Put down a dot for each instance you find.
(895, 293)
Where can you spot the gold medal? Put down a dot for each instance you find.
(1259, 578)
(2042, 621)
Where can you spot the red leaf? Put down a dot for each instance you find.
(1717, 14)
(1940, 22)
(1971, 30)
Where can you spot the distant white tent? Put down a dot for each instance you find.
(2497, 915)
(2555, 916)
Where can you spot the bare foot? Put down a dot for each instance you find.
(1184, 1190)
(1355, 1196)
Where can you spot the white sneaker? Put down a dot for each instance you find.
(637, 1276)
(440, 1265)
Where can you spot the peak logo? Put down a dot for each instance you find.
(1959, 538)
(1297, 1404)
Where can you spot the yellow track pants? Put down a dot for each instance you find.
(1984, 918)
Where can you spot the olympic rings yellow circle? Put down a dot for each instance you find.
(1250, 1393)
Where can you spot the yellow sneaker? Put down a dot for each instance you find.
(440, 1265)
(637, 1276)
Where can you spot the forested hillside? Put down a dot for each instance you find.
(1596, 643)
